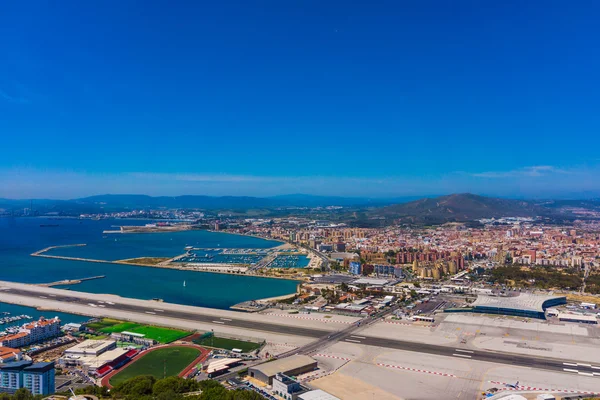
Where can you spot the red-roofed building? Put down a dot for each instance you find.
(33, 332)
(8, 354)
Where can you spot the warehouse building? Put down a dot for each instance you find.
(290, 366)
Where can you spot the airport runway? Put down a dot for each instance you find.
(566, 366)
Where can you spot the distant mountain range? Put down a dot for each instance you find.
(125, 202)
(451, 208)
(469, 207)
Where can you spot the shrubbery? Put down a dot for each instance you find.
(172, 388)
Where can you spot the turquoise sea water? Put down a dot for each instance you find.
(19, 237)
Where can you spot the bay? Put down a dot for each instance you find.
(19, 237)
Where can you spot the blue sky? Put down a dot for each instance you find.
(380, 99)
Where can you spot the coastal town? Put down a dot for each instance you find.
(405, 277)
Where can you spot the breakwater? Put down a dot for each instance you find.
(71, 281)
(41, 253)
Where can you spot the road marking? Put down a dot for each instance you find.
(225, 319)
(150, 312)
(595, 367)
(43, 297)
(570, 364)
(570, 370)
(358, 337)
(218, 322)
(353, 341)
(52, 295)
(584, 365)
(585, 373)
(461, 355)
(156, 309)
(464, 351)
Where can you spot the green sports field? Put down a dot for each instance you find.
(173, 360)
(162, 335)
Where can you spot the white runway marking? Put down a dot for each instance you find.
(461, 355)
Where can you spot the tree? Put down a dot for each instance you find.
(23, 394)
(174, 384)
(138, 386)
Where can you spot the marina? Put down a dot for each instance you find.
(7, 319)
(254, 258)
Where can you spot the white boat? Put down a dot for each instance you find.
(183, 283)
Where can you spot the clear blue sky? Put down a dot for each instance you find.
(324, 97)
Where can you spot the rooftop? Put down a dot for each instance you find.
(42, 322)
(14, 336)
(284, 365)
(40, 367)
(91, 346)
(525, 302)
(221, 364)
(370, 281)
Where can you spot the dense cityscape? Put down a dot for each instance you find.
(409, 283)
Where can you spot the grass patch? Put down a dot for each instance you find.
(93, 337)
(104, 323)
(228, 344)
(162, 335)
(159, 363)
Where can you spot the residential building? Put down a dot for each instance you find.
(354, 268)
(38, 378)
(33, 332)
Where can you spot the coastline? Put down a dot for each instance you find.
(250, 235)
(40, 253)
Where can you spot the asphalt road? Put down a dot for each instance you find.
(348, 335)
